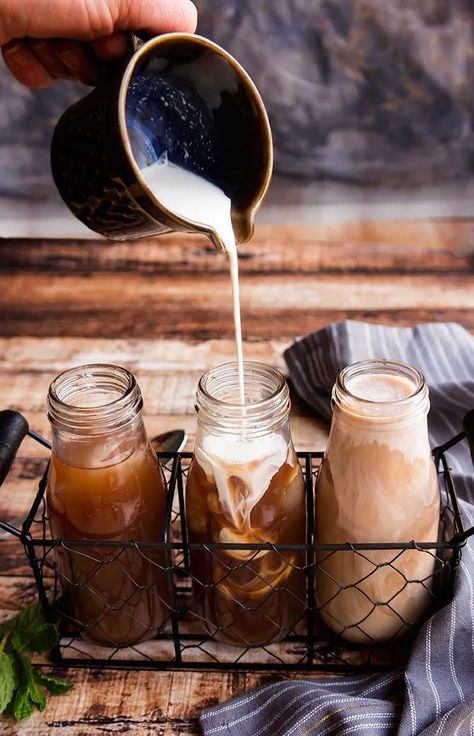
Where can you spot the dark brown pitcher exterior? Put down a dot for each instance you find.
(98, 178)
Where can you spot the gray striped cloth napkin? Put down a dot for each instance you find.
(434, 694)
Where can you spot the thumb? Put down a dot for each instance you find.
(157, 16)
(89, 20)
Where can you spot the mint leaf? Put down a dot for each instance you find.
(54, 685)
(22, 687)
(7, 680)
(35, 692)
(39, 637)
(31, 616)
(23, 706)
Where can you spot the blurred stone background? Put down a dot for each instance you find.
(371, 104)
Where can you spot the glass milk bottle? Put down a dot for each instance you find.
(245, 486)
(105, 484)
(377, 483)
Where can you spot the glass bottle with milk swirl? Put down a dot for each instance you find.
(245, 486)
(377, 483)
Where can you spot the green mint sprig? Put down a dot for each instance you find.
(22, 686)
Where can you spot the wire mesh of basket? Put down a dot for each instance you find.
(149, 605)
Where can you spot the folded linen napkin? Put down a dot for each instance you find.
(434, 695)
(443, 352)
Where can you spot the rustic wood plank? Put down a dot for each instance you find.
(199, 308)
(165, 393)
(212, 291)
(16, 592)
(37, 355)
(13, 561)
(208, 325)
(145, 703)
(326, 247)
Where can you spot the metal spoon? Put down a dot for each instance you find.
(169, 442)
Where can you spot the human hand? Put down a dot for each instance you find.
(45, 40)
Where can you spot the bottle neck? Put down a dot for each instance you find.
(383, 392)
(267, 401)
(96, 415)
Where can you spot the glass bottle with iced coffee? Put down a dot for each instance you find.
(245, 486)
(105, 484)
(377, 483)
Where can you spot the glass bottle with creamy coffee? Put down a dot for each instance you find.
(105, 484)
(377, 483)
(245, 486)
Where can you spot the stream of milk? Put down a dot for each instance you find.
(194, 198)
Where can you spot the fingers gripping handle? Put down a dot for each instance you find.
(13, 428)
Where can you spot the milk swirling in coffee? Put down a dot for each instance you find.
(253, 461)
(194, 198)
(377, 484)
(246, 489)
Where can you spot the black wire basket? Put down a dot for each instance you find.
(183, 637)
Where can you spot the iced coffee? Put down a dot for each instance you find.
(377, 484)
(105, 485)
(245, 487)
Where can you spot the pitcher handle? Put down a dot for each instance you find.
(13, 430)
(468, 427)
(138, 38)
(467, 433)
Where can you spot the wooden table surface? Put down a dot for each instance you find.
(162, 309)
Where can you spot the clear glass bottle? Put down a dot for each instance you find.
(377, 484)
(245, 486)
(105, 484)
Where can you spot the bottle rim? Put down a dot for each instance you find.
(121, 402)
(219, 411)
(416, 401)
